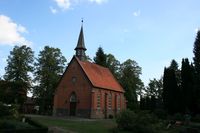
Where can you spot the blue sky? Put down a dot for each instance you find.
(151, 32)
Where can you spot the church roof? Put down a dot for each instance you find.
(99, 76)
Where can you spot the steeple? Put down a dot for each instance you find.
(80, 48)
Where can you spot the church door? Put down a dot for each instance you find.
(73, 102)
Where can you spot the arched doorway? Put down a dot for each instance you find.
(73, 102)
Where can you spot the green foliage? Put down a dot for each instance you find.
(178, 117)
(137, 123)
(49, 67)
(188, 90)
(155, 88)
(19, 66)
(100, 57)
(113, 64)
(160, 113)
(9, 111)
(4, 110)
(131, 82)
(171, 92)
(196, 51)
(12, 92)
(20, 63)
(125, 119)
(153, 95)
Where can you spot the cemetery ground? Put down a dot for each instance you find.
(80, 125)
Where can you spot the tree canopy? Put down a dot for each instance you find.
(17, 72)
(49, 67)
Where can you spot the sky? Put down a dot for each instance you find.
(151, 32)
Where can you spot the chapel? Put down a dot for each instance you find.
(86, 89)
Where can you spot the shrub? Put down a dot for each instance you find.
(125, 119)
(178, 117)
(196, 118)
(137, 123)
(4, 110)
(160, 113)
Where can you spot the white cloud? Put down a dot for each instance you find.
(63, 4)
(10, 32)
(67, 4)
(53, 10)
(98, 1)
(136, 13)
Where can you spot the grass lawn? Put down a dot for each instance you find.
(78, 126)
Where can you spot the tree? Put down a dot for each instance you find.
(155, 88)
(49, 66)
(187, 76)
(174, 65)
(100, 57)
(19, 66)
(113, 64)
(171, 92)
(130, 80)
(196, 51)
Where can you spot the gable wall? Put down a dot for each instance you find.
(82, 88)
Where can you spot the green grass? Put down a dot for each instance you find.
(79, 126)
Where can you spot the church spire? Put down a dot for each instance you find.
(80, 48)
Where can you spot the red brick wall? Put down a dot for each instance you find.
(82, 88)
(86, 94)
(104, 110)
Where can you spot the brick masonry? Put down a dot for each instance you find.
(91, 102)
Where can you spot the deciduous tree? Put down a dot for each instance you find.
(20, 64)
(49, 67)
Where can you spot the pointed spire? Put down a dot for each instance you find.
(80, 48)
(81, 43)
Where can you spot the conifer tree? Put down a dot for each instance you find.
(171, 98)
(196, 51)
(187, 76)
(100, 57)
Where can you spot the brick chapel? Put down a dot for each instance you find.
(87, 89)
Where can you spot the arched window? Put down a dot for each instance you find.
(73, 97)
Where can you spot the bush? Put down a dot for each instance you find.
(137, 123)
(125, 119)
(9, 111)
(196, 118)
(4, 110)
(178, 117)
(160, 113)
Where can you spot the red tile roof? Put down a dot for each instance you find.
(100, 77)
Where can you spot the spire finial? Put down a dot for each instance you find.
(82, 21)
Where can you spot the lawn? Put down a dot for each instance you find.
(78, 125)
